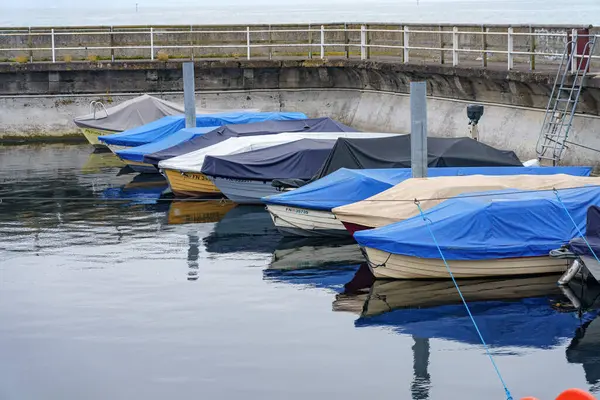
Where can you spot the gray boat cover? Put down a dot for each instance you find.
(133, 113)
(129, 114)
(298, 159)
(258, 128)
(394, 152)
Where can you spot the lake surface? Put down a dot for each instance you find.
(143, 299)
(141, 12)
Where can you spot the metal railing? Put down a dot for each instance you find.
(367, 42)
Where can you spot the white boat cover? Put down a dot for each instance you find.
(397, 203)
(192, 162)
(133, 113)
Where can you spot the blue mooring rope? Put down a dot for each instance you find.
(575, 224)
(428, 224)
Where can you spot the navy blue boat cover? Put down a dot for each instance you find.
(592, 235)
(347, 186)
(298, 159)
(258, 128)
(394, 152)
(502, 224)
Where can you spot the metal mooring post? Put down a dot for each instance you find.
(418, 129)
(189, 95)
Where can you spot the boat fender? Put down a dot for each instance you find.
(570, 273)
(570, 394)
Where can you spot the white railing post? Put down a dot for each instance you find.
(152, 43)
(406, 44)
(454, 46)
(363, 42)
(322, 41)
(510, 48)
(248, 42)
(574, 51)
(53, 47)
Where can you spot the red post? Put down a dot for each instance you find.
(583, 37)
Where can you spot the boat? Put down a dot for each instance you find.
(254, 129)
(306, 211)
(487, 234)
(395, 152)
(314, 253)
(194, 212)
(247, 177)
(185, 172)
(397, 203)
(142, 110)
(170, 125)
(134, 156)
(514, 312)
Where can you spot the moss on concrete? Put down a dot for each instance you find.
(50, 137)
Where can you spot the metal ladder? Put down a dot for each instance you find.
(563, 100)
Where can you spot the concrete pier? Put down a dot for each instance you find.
(41, 99)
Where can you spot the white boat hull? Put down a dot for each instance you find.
(384, 265)
(244, 191)
(296, 221)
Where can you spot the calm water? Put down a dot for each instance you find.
(117, 12)
(147, 300)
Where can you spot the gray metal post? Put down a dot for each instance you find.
(418, 129)
(189, 95)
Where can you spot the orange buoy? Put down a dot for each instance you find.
(575, 394)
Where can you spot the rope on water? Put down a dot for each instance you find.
(575, 224)
(428, 223)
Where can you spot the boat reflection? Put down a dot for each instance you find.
(243, 229)
(510, 312)
(97, 161)
(194, 212)
(314, 253)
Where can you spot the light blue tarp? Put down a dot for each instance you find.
(166, 126)
(489, 225)
(346, 186)
(137, 153)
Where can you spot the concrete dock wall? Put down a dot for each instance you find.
(41, 99)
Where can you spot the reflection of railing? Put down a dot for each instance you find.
(507, 46)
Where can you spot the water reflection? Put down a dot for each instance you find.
(314, 253)
(243, 229)
(194, 212)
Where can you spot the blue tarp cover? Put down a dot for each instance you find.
(346, 186)
(137, 153)
(257, 128)
(168, 125)
(499, 224)
(298, 159)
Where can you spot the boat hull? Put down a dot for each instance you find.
(141, 167)
(244, 191)
(91, 135)
(189, 184)
(385, 265)
(353, 228)
(297, 221)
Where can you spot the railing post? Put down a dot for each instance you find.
(573, 51)
(309, 42)
(510, 48)
(406, 45)
(442, 58)
(248, 42)
(363, 42)
(152, 43)
(270, 42)
(53, 47)
(346, 40)
(484, 46)
(532, 45)
(322, 42)
(454, 46)
(112, 45)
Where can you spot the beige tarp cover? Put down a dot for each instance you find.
(384, 208)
